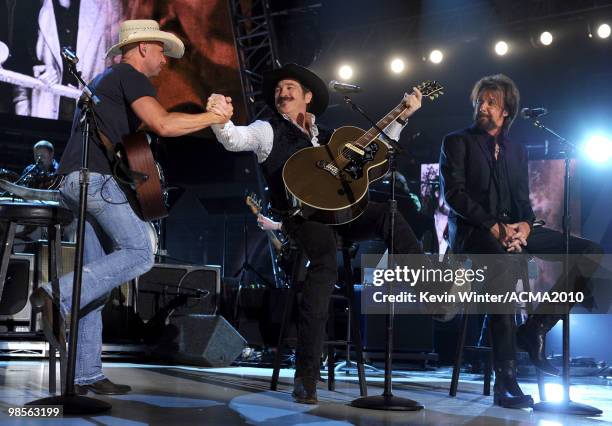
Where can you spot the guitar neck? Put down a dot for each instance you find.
(274, 239)
(371, 134)
(255, 207)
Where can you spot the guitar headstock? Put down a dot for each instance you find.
(254, 203)
(431, 89)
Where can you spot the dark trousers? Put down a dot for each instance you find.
(541, 242)
(319, 244)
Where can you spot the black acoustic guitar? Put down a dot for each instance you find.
(329, 183)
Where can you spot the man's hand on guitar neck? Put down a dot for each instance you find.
(412, 102)
(268, 224)
(220, 105)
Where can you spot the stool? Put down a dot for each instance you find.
(52, 217)
(297, 277)
(524, 276)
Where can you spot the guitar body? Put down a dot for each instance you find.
(147, 198)
(327, 193)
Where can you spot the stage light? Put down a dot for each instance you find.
(549, 423)
(554, 392)
(397, 65)
(598, 148)
(546, 38)
(345, 72)
(603, 31)
(501, 48)
(436, 56)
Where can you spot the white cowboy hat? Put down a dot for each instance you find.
(137, 30)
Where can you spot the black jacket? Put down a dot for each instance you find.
(288, 140)
(466, 178)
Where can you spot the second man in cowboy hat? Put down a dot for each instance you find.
(299, 96)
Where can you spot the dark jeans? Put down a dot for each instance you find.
(541, 242)
(319, 244)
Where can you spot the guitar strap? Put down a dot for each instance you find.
(117, 165)
(109, 148)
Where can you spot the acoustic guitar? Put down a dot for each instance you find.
(329, 183)
(140, 176)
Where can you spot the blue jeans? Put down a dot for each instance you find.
(127, 253)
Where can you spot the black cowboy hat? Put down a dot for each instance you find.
(320, 95)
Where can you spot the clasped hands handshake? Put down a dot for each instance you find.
(221, 106)
(512, 236)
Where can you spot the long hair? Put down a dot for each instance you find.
(503, 84)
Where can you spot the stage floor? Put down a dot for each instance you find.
(176, 395)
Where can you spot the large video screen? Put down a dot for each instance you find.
(34, 81)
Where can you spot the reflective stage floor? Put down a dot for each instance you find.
(176, 395)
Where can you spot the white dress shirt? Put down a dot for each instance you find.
(259, 136)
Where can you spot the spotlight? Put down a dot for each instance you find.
(501, 48)
(436, 56)
(603, 31)
(555, 393)
(397, 65)
(345, 72)
(598, 148)
(546, 38)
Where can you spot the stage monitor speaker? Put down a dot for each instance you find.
(42, 260)
(411, 333)
(15, 305)
(204, 340)
(161, 285)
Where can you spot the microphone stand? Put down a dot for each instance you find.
(72, 403)
(387, 401)
(566, 406)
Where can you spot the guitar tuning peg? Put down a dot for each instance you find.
(441, 93)
(431, 98)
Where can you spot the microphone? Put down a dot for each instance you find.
(528, 113)
(336, 86)
(69, 56)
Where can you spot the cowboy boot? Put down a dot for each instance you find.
(506, 391)
(531, 337)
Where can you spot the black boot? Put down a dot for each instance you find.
(305, 390)
(531, 337)
(506, 391)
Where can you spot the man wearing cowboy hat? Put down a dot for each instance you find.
(298, 95)
(117, 246)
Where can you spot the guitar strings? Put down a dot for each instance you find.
(428, 88)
